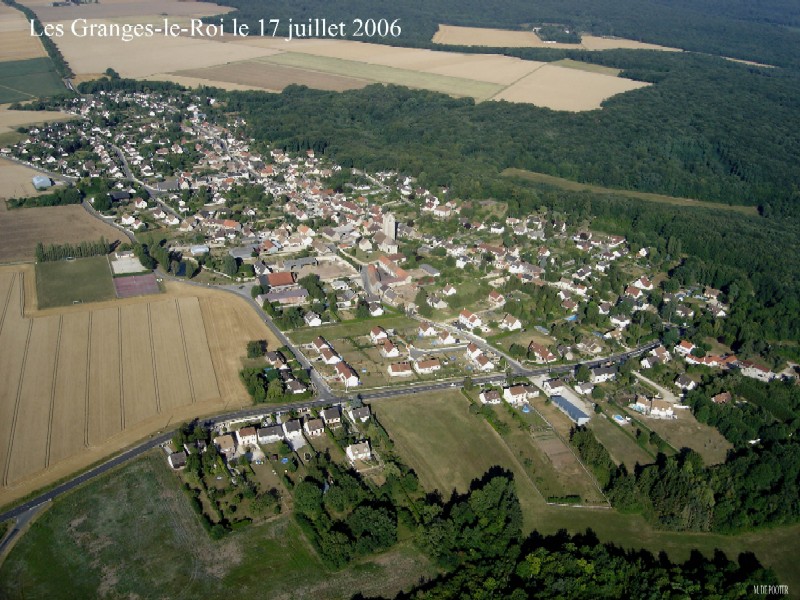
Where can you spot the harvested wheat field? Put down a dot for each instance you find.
(15, 182)
(273, 77)
(145, 56)
(16, 43)
(502, 38)
(82, 382)
(109, 9)
(562, 88)
(11, 119)
(22, 228)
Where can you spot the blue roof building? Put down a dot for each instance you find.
(577, 415)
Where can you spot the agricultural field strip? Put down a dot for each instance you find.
(568, 184)
(185, 352)
(30, 446)
(11, 366)
(53, 392)
(383, 74)
(204, 378)
(69, 411)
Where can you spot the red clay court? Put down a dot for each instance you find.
(136, 285)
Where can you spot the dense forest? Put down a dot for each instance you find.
(477, 539)
(755, 487)
(707, 129)
(740, 30)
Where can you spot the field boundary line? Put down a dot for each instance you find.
(16, 404)
(88, 382)
(8, 300)
(208, 345)
(121, 375)
(185, 351)
(516, 81)
(153, 360)
(53, 394)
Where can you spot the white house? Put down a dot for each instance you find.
(312, 319)
(378, 334)
(469, 319)
(425, 366)
(314, 427)
(360, 451)
(426, 330)
(246, 436)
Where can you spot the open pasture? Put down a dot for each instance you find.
(22, 228)
(453, 35)
(84, 381)
(448, 447)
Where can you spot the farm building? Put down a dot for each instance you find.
(572, 411)
(41, 182)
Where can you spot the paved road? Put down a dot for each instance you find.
(258, 411)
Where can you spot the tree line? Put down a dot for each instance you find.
(755, 487)
(60, 64)
(54, 252)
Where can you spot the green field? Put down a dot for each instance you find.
(455, 86)
(66, 282)
(574, 186)
(25, 79)
(306, 335)
(448, 447)
(621, 447)
(132, 534)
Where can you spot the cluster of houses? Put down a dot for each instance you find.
(293, 432)
(686, 350)
(515, 395)
(328, 355)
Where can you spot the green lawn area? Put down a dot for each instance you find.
(448, 446)
(306, 335)
(620, 445)
(25, 79)
(63, 282)
(133, 534)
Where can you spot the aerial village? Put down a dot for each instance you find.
(380, 284)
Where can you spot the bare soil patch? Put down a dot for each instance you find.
(21, 229)
(273, 77)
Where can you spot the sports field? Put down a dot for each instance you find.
(22, 228)
(83, 381)
(135, 285)
(65, 282)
